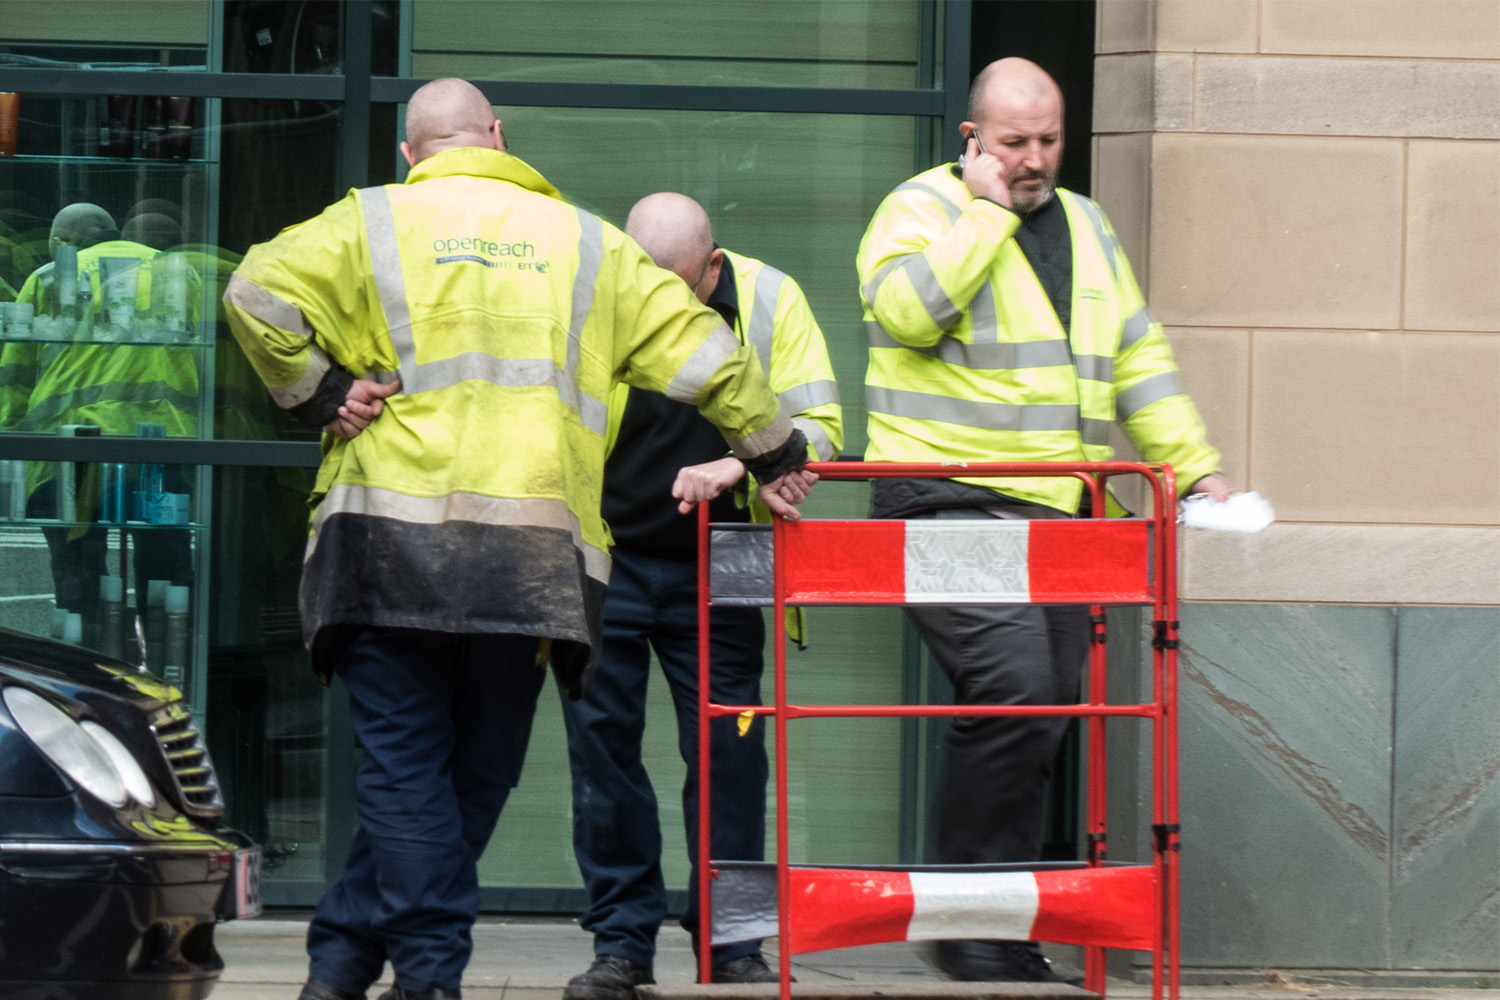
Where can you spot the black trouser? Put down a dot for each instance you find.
(996, 770)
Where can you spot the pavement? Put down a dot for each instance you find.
(526, 958)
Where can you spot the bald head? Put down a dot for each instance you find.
(1016, 117)
(1011, 83)
(79, 221)
(448, 114)
(674, 230)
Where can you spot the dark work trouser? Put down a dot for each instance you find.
(444, 720)
(652, 604)
(996, 770)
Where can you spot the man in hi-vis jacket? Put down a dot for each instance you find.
(1005, 326)
(458, 336)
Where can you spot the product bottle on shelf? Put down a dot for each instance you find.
(112, 616)
(175, 654)
(156, 624)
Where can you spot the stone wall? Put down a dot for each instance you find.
(1310, 192)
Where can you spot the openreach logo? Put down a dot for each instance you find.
(490, 253)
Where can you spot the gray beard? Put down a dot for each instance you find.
(1026, 203)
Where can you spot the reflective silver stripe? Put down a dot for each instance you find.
(983, 320)
(1129, 402)
(952, 210)
(872, 286)
(695, 373)
(1094, 431)
(1106, 241)
(763, 314)
(816, 436)
(590, 259)
(132, 393)
(390, 284)
(1096, 367)
(809, 394)
(510, 373)
(763, 441)
(972, 413)
(265, 306)
(300, 391)
(1136, 327)
(372, 501)
(983, 357)
(924, 282)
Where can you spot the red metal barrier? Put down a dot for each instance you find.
(1095, 561)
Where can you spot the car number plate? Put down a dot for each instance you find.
(247, 883)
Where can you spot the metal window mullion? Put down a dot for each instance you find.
(681, 97)
(173, 83)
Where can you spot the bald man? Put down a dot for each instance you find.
(663, 458)
(1005, 326)
(457, 337)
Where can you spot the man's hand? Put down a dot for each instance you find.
(784, 494)
(364, 401)
(984, 174)
(1218, 487)
(696, 483)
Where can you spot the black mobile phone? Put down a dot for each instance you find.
(963, 152)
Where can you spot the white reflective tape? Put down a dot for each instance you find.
(957, 562)
(968, 905)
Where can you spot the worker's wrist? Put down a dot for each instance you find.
(322, 408)
(789, 457)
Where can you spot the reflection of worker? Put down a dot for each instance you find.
(652, 604)
(55, 382)
(1007, 327)
(458, 538)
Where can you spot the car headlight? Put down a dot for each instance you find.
(136, 782)
(67, 744)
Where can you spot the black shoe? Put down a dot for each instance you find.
(979, 961)
(746, 969)
(316, 989)
(431, 993)
(609, 978)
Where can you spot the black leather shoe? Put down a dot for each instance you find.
(980, 961)
(746, 969)
(316, 989)
(609, 978)
(430, 993)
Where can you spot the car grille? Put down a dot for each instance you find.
(187, 757)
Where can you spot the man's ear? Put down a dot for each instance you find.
(497, 135)
(411, 160)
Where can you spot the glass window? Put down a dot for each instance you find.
(760, 43)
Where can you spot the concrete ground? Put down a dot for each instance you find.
(533, 958)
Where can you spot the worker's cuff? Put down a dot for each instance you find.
(790, 456)
(322, 408)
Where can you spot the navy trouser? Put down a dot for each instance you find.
(444, 720)
(995, 771)
(652, 604)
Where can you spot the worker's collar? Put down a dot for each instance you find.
(477, 161)
(725, 298)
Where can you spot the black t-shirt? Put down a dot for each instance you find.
(657, 437)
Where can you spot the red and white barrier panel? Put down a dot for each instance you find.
(968, 562)
(1111, 907)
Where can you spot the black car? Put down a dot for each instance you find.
(114, 867)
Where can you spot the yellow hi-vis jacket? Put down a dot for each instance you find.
(774, 318)
(472, 503)
(969, 362)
